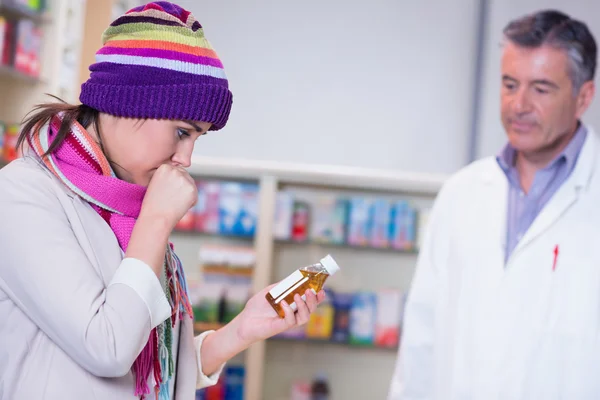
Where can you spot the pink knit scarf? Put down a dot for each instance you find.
(81, 165)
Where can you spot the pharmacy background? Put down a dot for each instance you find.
(374, 238)
(361, 317)
(334, 147)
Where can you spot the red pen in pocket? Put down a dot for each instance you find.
(555, 258)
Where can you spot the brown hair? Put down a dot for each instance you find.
(42, 113)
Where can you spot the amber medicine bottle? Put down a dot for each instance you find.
(311, 277)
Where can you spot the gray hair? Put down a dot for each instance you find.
(554, 28)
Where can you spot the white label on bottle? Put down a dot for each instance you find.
(290, 290)
(285, 284)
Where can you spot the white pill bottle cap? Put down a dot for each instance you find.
(330, 265)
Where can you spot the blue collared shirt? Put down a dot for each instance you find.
(524, 208)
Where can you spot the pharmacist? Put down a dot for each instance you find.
(505, 302)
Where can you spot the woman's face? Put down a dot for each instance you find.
(136, 148)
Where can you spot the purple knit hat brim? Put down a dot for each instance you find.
(156, 63)
(208, 102)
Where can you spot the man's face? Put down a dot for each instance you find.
(538, 105)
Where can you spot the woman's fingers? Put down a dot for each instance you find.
(303, 307)
(303, 313)
(311, 300)
(290, 318)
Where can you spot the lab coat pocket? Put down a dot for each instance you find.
(576, 298)
(566, 338)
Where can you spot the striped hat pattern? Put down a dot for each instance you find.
(156, 63)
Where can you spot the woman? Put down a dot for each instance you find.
(93, 299)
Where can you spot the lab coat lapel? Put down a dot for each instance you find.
(493, 229)
(567, 194)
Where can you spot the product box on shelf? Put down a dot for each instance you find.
(11, 134)
(237, 292)
(300, 390)
(206, 296)
(359, 222)
(320, 323)
(3, 41)
(225, 284)
(328, 220)
(342, 303)
(362, 318)
(229, 387)
(8, 34)
(27, 48)
(381, 222)
(238, 209)
(284, 210)
(36, 6)
(389, 315)
(214, 392)
(234, 382)
(300, 221)
(206, 212)
(367, 318)
(404, 220)
(187, 222)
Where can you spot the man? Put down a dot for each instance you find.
(505, 302)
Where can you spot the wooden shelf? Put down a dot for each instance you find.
(332, 343)
(214, 235)
(15, 11)
(345, 246)
(200, 327)
(299, 243)
(12, 73)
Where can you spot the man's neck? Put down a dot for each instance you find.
(528, 164)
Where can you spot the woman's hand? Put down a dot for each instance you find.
(259, 321)
(170, 194)
(256, 322)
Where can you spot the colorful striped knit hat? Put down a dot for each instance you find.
(156, 63)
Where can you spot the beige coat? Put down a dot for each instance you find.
(74, 314)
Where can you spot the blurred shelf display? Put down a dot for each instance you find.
(229, 387)
(255, 222)
(40, 47)
(229, 209)
(8, 141)
(13, 73)
(343, 246)
(20, 47)
(23, 9)
(333, 343)
(225, 283)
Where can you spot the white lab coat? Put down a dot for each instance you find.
(478, 329)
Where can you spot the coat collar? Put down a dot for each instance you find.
(579, 180)
(582, 173)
